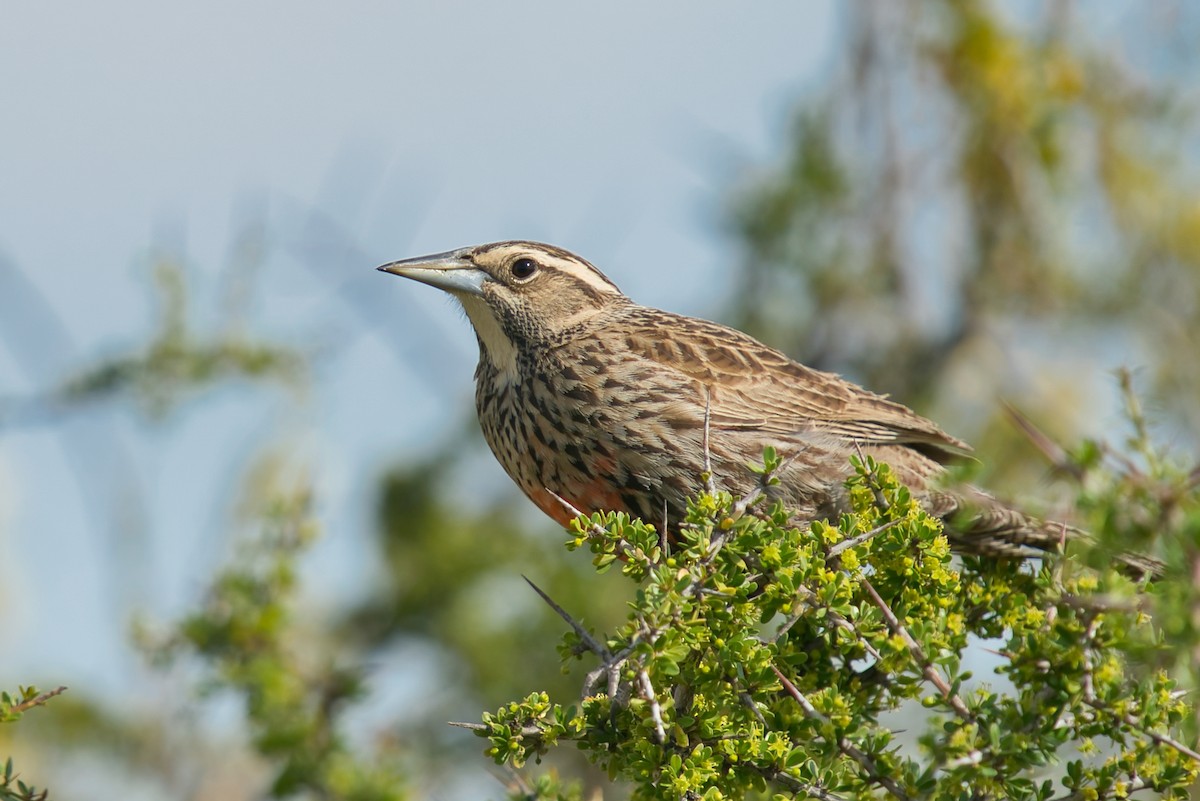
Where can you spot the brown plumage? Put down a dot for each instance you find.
(584, 394)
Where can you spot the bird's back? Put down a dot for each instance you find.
(613, 417)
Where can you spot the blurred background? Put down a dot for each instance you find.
(958, 203)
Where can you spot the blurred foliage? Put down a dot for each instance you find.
(972, 183)
(289, 677)
(176, 361)
(761, 658)
(447, 563)
(454, 579)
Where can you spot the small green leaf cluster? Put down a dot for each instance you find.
(534, 716)
(247, 635)
(13, 789)
(14, 705)
(763, 657)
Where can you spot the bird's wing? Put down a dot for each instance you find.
(752, 387)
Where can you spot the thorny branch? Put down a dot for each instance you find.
(838, 548)
(1089, 698)
(660, 733)
(532, 732)
(931, 673)
(807, 596)
(796, 786)
(1054, 453)
(589, 642)
(844, 745)
(610, 664)
(1129, 719)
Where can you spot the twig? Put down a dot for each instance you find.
(973, 758)
(611, 669)
(660, 732)
(755, 494)
(595, 530)
(806, 596)
(723, 532)
(462, 725)
(515, 784)
(1159, 738)
(610, 666)
(748, 701)
(873, 485)
(792, 620)
(1089, 636)
(37, 700)
(844, 745)
(1134, 784)
(714, 547)
(931, 673)
(844, 545)
(796, 786)
(1104, 603)
(1089, 698)
(664, 541)
(722, 535)
(525, 731)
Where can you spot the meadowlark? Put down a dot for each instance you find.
(586, 396)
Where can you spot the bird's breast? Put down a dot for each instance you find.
(572, 431)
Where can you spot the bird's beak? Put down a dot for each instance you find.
(451, 271)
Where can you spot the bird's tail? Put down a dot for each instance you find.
(981, 525)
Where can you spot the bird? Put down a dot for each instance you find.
(594, 403)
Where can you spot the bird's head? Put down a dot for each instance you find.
(517, 294)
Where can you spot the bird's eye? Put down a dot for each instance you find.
(523, 269)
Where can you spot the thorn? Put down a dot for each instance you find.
(1055, 454)
(837, 548)
(469, 726)
(664, 542)
(588, 640)
(710, 485)
(594, 529)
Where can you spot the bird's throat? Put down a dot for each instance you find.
(495, 345)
